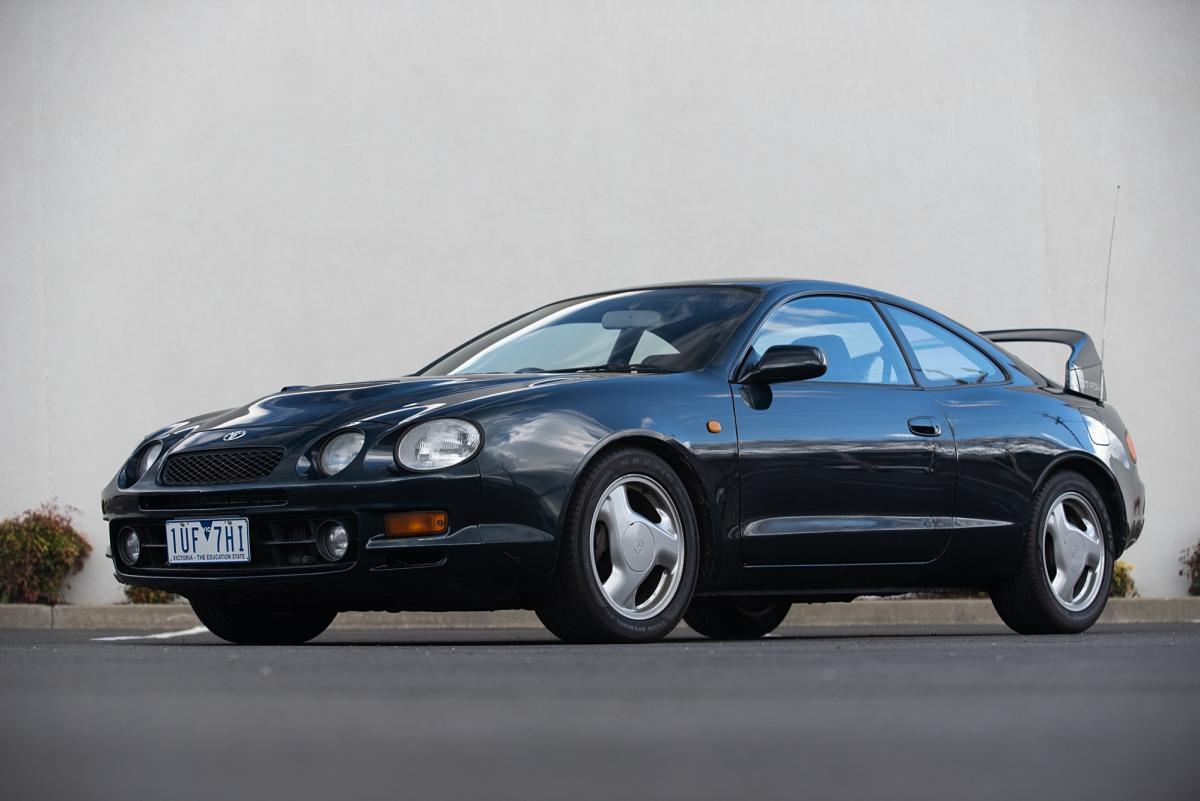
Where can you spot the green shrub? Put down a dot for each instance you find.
(39, 549)
(1191, 568)
(1123, 585)
(148, 595)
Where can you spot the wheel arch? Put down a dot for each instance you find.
(679, 459)
(1105, 483)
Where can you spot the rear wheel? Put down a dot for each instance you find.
(1061, 584)
(628, 557)
(246, 624)
(721, 619)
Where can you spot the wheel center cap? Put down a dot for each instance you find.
(1075, 555)
(637, 546)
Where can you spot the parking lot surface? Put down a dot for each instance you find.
(863, 713)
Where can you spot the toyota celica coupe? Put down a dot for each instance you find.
(711, 452)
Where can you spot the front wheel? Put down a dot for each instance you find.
(246, 624)
(628, 557)
(720, 619)
(1062, 582)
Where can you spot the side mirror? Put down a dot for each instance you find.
(786, 363)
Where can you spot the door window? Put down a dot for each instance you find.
(942, 357)
(857, 345)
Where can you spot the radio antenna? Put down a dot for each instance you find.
(1108, 274)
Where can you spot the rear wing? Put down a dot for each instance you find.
(1085, 373)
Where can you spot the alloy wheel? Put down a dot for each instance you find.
(1074, 552)
(637, 547)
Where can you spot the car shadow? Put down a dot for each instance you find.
(510, 638)
(485, 638)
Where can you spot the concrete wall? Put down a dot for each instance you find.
(202, 202)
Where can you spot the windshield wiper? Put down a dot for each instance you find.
(617, 368)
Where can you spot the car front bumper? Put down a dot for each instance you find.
(476, 565)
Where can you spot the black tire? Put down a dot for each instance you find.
(1026, 601)
(574, 607)
(262, 625)
(723, 619)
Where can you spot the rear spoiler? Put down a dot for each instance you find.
(1085, 373)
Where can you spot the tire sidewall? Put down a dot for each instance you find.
(246, 624)
(725, 619)
(620, 464)
(1058, 486)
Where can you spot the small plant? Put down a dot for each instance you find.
(39, 549)
(1191, 568)
(1123, 585)
(148, 595)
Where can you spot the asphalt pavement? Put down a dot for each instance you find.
(900, 713)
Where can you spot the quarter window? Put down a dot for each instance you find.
(857, 345)
(943, 358)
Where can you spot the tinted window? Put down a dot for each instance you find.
(857, 345)
(668, 329)
(942, 357)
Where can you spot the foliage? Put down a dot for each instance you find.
(1123, 585)
(148, 595)
(1191, 568)
(39, 549)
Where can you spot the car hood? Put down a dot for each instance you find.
(381, 402)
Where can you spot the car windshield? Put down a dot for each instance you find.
(671, 329)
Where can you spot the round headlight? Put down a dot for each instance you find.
(337, 454)
(333, 540)
(130, 546)
(438, 444)
(146, 460)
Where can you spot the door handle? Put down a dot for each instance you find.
(924, 427)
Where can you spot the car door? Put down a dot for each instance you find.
(1001, 433)
(853, 467)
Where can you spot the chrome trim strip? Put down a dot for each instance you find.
(791, 526)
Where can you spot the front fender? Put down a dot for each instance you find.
(536, 450)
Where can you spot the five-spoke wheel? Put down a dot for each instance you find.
(1061, 584)
(637, 551)
(627, 560)
(1074, 551)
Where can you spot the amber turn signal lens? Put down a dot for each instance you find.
(413, 524)
(714, 426)
(1129, 446)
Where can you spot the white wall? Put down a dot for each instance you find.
(201, 202)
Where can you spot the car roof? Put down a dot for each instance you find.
(775, 290)
(786, 286)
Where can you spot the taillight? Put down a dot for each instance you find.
(1129, 446)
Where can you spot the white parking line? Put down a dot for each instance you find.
(165, 635)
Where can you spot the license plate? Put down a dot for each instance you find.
(223, 540)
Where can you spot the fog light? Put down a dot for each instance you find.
(414, 524)
(333, 541)
(130, 546)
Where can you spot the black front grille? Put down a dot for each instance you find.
(227, 466)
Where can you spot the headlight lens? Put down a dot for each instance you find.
(145, 460)
(339, 451)
(438, 444)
